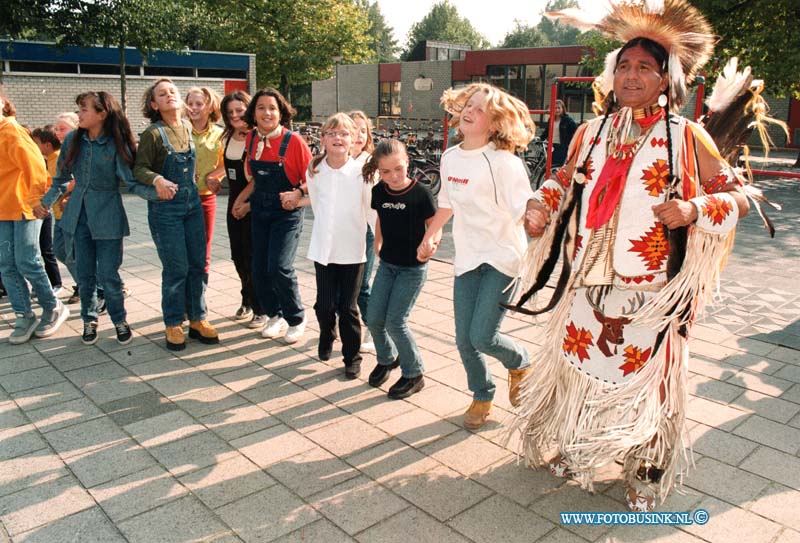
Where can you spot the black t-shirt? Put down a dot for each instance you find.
(402, 219)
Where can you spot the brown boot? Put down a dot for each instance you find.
(515, 377)
(203, 331)
(476, 415)
(175, 339)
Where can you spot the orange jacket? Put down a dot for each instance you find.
(23, 176)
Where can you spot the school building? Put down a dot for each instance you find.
(42, 80)
(408, 92)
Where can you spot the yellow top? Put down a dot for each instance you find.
(209, 152)
(23, 177)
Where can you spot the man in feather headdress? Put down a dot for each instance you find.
(644, 213)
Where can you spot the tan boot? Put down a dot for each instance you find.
(203, 331)
(476, 415)
(175, 339)
(515, 378)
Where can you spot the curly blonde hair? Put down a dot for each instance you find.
(512, 126)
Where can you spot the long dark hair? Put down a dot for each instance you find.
(384, 148)
(149, 96)
(235, 96)
(286, 109)
(116, 126)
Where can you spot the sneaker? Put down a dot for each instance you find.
(175, 338)
(89, 336)
(101, 306)
(367, 344)
(203, 331)
(380, 374)
(58, 290)
(23, 328)
(124, 334)
(276, 327)
(294, 333)
(406, 386)
(352, 370)
(52, 320)
(243, 313)
(258, 321)
(75, 297)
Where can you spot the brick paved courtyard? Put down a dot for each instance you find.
(253, 440)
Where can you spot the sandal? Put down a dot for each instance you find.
(559, 468)
(641, 493)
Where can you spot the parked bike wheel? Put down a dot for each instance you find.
(432, 179)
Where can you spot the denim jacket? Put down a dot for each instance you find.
(97, 170)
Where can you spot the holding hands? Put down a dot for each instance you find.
(165, 188)
(537, 217)
(675, 213)
(41, 212)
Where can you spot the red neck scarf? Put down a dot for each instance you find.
(611, 181)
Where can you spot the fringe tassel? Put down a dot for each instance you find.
(594, 423)
(696, 285)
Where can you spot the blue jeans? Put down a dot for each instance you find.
(20, 260)
(394, 293)
(363, 295)
(98, 261)
(275, 237)
(63, 249)
(179, 233)
(476, 301)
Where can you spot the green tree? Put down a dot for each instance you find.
(555, 32)
(443, 23)
(524, 36)
(383, 46)
(294, 42)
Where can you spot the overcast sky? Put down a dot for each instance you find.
(492, 18)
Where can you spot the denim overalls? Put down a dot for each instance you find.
(179, 234)
(276, 235)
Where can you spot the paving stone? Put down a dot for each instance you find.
(310, 415)
(239, 421)
(19, 441)
(191, 453)
(64, 414)
(500, 519)
(512, 479)
(85, 437)
(29, 470)
(115, 389)
(96, 374)
(131, 409)
(25, 362)
(638, 534)
(347, 436)
(89, 526)
(766, 384)
(38, 505)
(76, 359)
(417, 427)
(357, 504)
(728, 523)
(320, 530)
(785, 354)
(725, 482)
(277, 396)
(160, 368)
(266, 515)
(37, 398)
(714, 414)
(441, 400)
(560, 535)
(206, 401)
(25, 380)
(138, 492)
(10, 415)
(225, 482)
(770, 433)
(375, 407)
(411, 524)
(789, 373)
(721, 445)
(768, 407)
(164, 428)
(780, 504)
(108, 463)
(441, 492)
(185, 519)
(712, 389)
(792, 395)
(392, 463)
(272, 445)
(465, 452)
(775, 465)
(571, 498)
(311, 471)
(173, 386)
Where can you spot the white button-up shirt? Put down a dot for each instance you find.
(341, 201)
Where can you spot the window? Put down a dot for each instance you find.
(390, 98)
(167, 71)
(44, 67)
(108, 69)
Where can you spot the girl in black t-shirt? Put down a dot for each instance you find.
(404, 208)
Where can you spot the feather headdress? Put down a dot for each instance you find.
(677, 26)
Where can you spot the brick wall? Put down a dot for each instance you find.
(39, 99)
(323, 98)
(358, 88)
(424, 104)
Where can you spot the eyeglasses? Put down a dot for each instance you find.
(343, 134)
